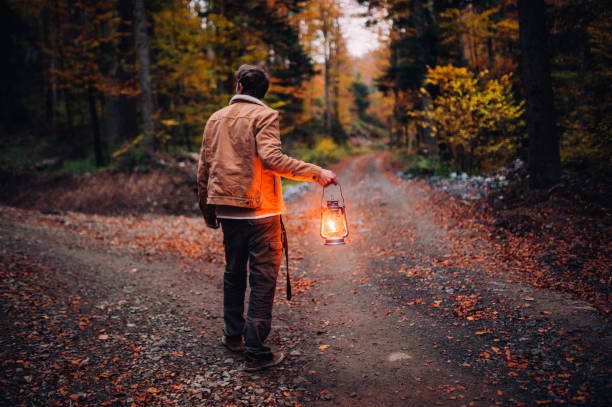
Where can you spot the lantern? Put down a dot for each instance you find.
(334, 227)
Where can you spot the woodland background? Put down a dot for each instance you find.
(89, 84)
(491, 285)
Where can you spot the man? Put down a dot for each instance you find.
(239, 172)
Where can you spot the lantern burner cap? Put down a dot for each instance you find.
(334, 242)
(332, 204)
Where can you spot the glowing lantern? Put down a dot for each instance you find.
(334, 227)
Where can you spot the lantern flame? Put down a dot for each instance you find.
(331, 226)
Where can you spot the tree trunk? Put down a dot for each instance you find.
(93, 118)
(110, 58)
(419, 23)
(396, 115)
(327, 91)
(410, 139)
(396, 107)
(69, 117)
(52, 94)
(326, 31)
(544, 161)
(127, 105)
(145, 75)
(112, 118)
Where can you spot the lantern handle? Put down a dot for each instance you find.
(323, 193)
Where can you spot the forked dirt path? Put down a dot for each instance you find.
(127, 311)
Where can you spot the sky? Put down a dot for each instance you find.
(359, 39)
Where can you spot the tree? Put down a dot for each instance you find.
(414, 45)
(144, 69)
(483, 35)
(544, 161)
(323, 30)
(472, 116)
(361, 92)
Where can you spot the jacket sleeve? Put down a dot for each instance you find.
(270, 153)
(208, 211)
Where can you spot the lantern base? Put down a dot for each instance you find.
(334, 242)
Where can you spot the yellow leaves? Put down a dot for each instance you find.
(103, 337)
(467, 106)
(322, 347)
(278, 105)
(169, 122)
(128, 146)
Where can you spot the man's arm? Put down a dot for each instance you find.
(207, 210)
(271, 155)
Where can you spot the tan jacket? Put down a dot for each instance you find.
(241, 161)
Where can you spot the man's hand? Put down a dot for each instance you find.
(209, 216)
(327, 177)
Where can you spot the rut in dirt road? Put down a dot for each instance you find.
(399, 321)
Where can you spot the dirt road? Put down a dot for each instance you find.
(414, 310)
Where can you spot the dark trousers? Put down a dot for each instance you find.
(256, 242)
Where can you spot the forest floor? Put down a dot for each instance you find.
(425, 305)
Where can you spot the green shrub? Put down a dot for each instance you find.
(133, 161)
(79, 166)
(326, 151)
(419, 165)
(18, 158)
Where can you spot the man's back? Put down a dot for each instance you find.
(242, 151)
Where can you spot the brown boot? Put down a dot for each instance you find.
(254, 364)
(235, 345)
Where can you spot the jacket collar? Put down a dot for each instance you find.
(246, 98)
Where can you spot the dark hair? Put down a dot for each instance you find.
(254, 80)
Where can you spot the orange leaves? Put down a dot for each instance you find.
(469, 307)
(517, 365)
(417, 301)
(415, 271)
